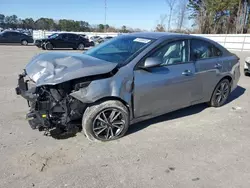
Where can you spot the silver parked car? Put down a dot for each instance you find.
(126, 80)
(247, 66)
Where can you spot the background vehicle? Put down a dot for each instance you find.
(15, 37)
(104, 39)
(63, 40)
(126, 80)
(95, 38)
(247, 66)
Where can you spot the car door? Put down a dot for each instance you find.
(7, 37)
(208, 65)
(15, 37)
(61, 41)
(171, 86)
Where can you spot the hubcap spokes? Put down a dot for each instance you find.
(108, 124)
(222, 93)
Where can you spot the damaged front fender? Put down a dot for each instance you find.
(116, 86)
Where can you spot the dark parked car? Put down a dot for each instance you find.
(64, 40)
(15, 37)
(125, 80)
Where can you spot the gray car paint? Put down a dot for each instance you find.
(148, 94)
(54, 68)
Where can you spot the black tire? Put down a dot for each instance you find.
(214, 101)
(81, 46)
(246, 73)
(91, 114)
(48, 46)
(24, 42)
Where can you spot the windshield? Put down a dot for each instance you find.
(53, 35)
(119, 49)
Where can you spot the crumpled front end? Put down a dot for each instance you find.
(50, 106)
(52, 83)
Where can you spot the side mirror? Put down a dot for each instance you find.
(151, 62)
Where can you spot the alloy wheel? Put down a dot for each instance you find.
(81, 46)
(109, 124)
(222, 93)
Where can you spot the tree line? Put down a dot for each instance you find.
(220, 16)
(206, 16)
(14, 22)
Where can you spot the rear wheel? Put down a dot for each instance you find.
(24, 42)
(48, 46)
(105, 121)
(81, 46)
(220, 94)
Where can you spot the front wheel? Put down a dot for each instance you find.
(24, 42)
(48, 46)
(105, 121)
(220, 94)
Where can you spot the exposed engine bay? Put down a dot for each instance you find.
(51, 106)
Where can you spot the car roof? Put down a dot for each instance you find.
(155, 35)
(9, 31)
(165, 35)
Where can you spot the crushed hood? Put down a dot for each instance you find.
(54, 67)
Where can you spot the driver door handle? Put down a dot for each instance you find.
(187, 73)
(218, 66)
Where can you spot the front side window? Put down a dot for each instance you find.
(172, 53)
(120, 49)
(63, 36)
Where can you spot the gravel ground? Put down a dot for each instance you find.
(193, 147)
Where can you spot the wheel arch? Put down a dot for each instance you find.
(229, 78)
(117, 99)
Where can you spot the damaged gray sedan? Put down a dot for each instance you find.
(126, 80)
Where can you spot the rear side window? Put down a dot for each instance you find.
(72, 37)
(202, 50)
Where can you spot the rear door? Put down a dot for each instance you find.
(7, 37)
(171, 86)
(208, 65)
(72, 40)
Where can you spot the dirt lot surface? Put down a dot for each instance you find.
(193, 147)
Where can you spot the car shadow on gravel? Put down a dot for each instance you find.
(239, 91)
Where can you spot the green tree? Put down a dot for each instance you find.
(11, 21)
(2, 17)
(101, 27)
(28, 23)
(216, 16)
(45, 24)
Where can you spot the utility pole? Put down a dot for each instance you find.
(105, 15)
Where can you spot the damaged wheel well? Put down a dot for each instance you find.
(114, 98)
